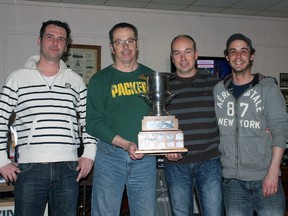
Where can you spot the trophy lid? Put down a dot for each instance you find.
(167, 74)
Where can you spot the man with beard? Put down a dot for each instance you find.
(253, 127)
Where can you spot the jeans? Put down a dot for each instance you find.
(39, 182)
(113, 170)
(205, 177)
(241, 198)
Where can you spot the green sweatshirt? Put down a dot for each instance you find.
(113, 104)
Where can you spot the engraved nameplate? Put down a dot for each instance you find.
(151, 123)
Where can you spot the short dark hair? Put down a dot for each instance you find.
(184, 36)
(122, 25)
(56, 23)
(238, 36)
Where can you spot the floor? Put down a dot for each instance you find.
(84, 208)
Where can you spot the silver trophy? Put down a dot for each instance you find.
(160, 133)
(157, 94)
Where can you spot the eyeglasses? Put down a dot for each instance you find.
(128, 42)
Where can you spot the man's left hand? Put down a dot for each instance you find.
(84, 167)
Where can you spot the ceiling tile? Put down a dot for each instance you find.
(132, 4)
(268, 8)
(282, 6)
(88, 2)
(255, 4)
(159, 6)
(180, 2)
(203, 9)
(214, 3)
(49, 0)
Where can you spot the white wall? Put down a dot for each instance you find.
(20, 22)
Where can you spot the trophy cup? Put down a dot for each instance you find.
(160, 133)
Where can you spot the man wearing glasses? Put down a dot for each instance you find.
(114, 115)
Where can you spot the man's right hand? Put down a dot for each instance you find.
(132, 148)
(9, 172)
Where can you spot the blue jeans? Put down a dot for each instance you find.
(39, 182)
(241, 198)
(205, 177)
(113, 169)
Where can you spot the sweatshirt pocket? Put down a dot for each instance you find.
(55, 130)
(255, 153)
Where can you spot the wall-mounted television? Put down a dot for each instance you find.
(215, 65)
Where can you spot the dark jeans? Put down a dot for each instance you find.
(39, 182)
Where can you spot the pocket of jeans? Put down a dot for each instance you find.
(104, 147)
(72, 165)
(25, 167)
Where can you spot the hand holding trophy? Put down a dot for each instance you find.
(160, 133)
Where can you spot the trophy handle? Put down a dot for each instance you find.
(144, 96)
(173, 95)
(141, 95)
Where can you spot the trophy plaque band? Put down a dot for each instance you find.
(160, 135)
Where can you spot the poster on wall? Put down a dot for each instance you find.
(83, 59)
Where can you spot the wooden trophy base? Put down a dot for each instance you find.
(160, 135)
(162, 151)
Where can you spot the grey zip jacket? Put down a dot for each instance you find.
(249, 127)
